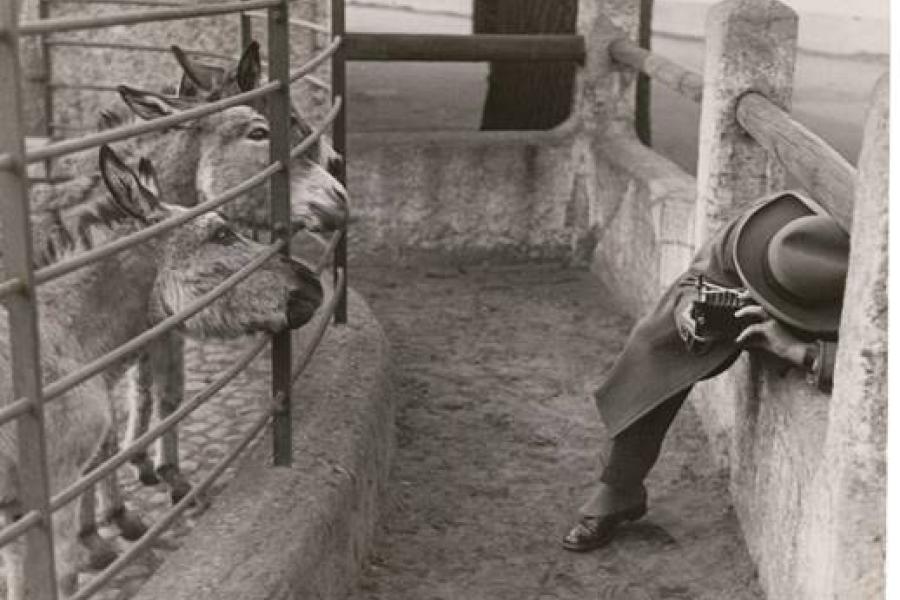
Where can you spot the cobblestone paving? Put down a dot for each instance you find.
(204, 438)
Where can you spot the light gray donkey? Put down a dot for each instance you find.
(196, 161)
(159, 385)
(97, 308)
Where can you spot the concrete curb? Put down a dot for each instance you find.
(302, 531)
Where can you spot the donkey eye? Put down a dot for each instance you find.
(258, 133)
(224, 236)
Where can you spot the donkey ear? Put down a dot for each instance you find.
(126, 190)
(148, 178)
(249, 68)
(197, 77)
(147, 105)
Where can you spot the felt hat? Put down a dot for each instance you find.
(793, 256)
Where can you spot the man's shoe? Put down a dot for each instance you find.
(592, 532)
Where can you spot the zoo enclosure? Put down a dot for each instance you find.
(19, 289)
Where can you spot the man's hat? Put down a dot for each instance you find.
(793, 259)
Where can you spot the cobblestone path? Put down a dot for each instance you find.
(205, 437)
(499, 441)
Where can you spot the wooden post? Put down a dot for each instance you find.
(750, 45)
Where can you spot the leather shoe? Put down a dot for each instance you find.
(593, 532)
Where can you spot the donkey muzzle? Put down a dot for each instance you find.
(303, 301)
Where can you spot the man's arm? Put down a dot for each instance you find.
(816, 358)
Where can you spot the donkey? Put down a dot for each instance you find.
(94, 309)
(195, 162)
(208, 82)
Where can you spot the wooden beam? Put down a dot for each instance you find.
(825, 174)
(465, 48)
(660, 69)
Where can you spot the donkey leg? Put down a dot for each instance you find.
(140, 408)
(168, 384)
(112, 504)
(100, 552)
(14, 565)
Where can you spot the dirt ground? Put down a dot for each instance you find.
(499, 442)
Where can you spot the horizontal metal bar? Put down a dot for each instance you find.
(69, 381)
(11, 286)
(316, 133)
(80, 260)
(15, 410)
(125, 2)
(321, 326)
(327, 251)
(140, 444)
(465, 48)
(133, 18)
(166, 520)
(828, 177)
(298, 22)
(317, 59)
(319, 83)
(19, 527)
(135, 48)
(660, 69)
(93, 87)
(120, 133)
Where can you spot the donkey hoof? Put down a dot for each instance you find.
(129, 524)
(66, 584)
(143, 466)
(180, 489)
(100, 552)
(147, 475)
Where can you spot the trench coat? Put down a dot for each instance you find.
(655, 363)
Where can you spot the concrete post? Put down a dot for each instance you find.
(604, 94)
(750, 45)
(845, 530)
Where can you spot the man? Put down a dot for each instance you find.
(790, 259)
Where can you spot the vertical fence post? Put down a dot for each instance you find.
(246, 32)
(280, 214)
(47, 76)
(40, 572)
(339, 134)
(750, 45)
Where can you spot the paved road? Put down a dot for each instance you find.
(499, 441)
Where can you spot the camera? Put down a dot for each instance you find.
(713, 310)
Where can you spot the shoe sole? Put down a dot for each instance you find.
(632, 514)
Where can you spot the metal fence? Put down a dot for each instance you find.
(18, 291)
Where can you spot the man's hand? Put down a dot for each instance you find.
(687, 328)
(769, 335)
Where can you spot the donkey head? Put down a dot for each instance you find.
(233, 145)
(194, 258)
(211, 82)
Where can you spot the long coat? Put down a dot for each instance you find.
(655, 363)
